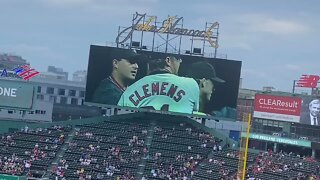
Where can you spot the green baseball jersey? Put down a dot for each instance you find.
(108, 92)
(166, 92)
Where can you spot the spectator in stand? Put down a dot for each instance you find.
(215, 147)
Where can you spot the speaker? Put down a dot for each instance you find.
(197, 50)
(135, 44)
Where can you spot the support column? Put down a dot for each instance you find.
(275, 147)
(313, 153)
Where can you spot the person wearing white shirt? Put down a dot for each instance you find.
(314, 120)
(313, 117)
(215, 148)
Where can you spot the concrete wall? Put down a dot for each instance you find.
(41, 111)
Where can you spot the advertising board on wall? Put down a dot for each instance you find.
(265, 137)
(282, 108)
(8, 177)
(15, 94)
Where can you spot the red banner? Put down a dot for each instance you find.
(277, 107)
(308, 81)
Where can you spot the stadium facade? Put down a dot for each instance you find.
(277, 130)
(51, 99)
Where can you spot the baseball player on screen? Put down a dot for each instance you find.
(205, 75)
(162, 89)
(124, 71)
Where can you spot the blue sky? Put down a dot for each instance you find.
(277, 41)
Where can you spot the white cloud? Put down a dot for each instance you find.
(254, 73)
(236, 44)
(38, 56)
(241, 45)
(106, 6)
(36, 49)
(232, 40)
(293, 67)
(266, 24)
(69, 3)
(280, 27)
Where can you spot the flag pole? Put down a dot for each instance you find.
(294, 85)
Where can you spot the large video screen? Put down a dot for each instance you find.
(310, 111)
(159, 81)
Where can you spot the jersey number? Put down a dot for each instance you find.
(164, 107)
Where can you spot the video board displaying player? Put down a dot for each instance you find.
(124, 71)
(205, 75)
(164, 82)
(163, 89)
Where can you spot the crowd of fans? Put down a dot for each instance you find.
(167, 170)
(13, 164)
(103, 154)
(281, 163)
(18, 153)
(266, 165)
(184, 164)
(219, 165)
(173, 152)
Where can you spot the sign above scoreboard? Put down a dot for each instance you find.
(142, 22)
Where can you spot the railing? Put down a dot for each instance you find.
(158, 49)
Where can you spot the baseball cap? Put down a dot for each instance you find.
(130, 55)
(159, 62)
(205, 70)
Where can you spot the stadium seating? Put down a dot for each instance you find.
(138, 148)
(283, 166)
(30, 150)
(117, 149)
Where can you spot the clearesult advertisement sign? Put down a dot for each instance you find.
(15, 94)
(282, 108)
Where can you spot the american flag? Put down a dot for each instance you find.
(25, 72)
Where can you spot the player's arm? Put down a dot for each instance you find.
(195, 93)
(105, 94)
(199, 113)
